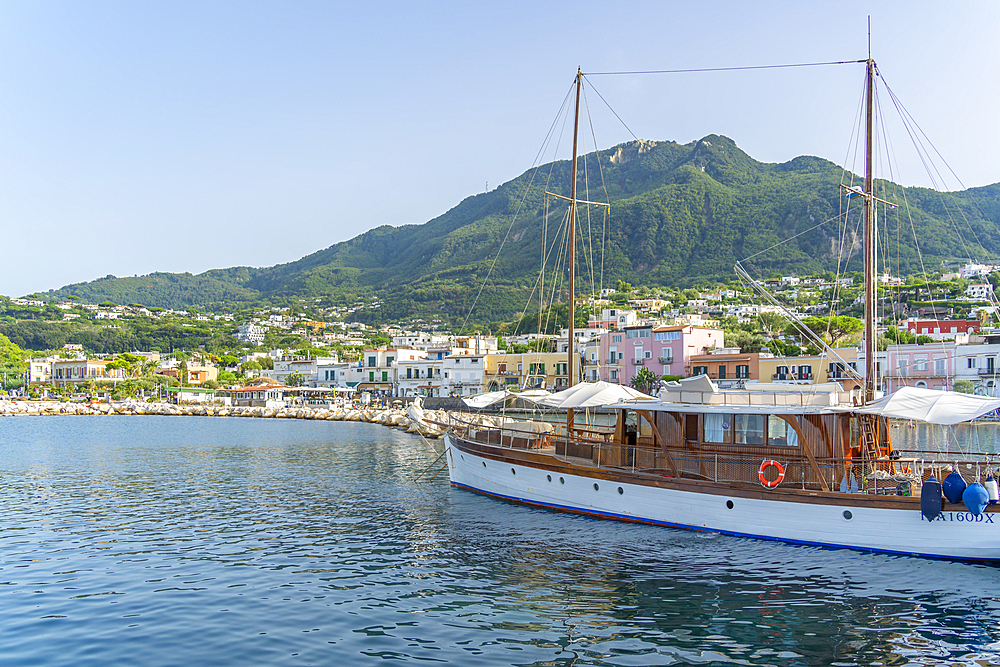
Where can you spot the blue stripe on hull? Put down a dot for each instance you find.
(667, 524)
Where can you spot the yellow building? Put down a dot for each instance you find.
(530, 370)
(811, 369)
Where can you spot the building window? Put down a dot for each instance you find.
(371, 376)
(409, 373)
(722, 371)
(372, 362)
(616, 339)
(699, 370)
(970, 362)
(743, 371)
(614, 375)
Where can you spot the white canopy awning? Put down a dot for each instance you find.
(486, 400)
(592, 395)
(931, 406)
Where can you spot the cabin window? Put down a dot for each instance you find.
(780, 433)
(749, 429)
(718, 428)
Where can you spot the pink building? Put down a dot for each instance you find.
(664, 350)
(930, 366)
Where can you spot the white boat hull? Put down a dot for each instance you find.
(955, 534)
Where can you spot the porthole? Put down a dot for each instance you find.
(848, 515)
(621, 491)
(729, 504)
(596, 487)
(513, 472)
(548, 477)
(562, 481)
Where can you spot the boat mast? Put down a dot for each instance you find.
(871, 335)
(572, 237)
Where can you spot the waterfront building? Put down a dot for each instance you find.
(728, 367)
(930, 366)
(978, 364)
(463, 374)
(71, 372)
(419, 377)
(664, 350)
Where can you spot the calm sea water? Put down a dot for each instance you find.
(201, 541)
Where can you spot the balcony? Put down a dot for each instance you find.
(638, 362)
(665, 360)
(611, 362)
(987, 371)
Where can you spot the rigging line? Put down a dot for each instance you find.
(843, 247)
(588, 242)
(536, 287)
(524, 196)
(611, 109)
(780, 243)
(604, 186)
(728, 69)
(796, 321)
(946, 194)
(945, 198)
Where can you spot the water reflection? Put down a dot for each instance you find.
(248, 541)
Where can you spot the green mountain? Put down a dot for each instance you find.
(680, 214)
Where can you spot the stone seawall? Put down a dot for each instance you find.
(387, 417)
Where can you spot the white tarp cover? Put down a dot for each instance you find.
(486, 400)
(931, 406)
(700, 383)
(592, 395)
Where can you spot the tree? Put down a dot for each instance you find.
(182, 372)
(295, 380)
(646, 381)
(831, 329)
(964, 386)
(772, 322)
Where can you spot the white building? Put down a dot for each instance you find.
(419, 377)
(462, 375)
(979, 291)
(250, 333)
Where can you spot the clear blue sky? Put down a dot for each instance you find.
(185, 136)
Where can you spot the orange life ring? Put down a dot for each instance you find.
(777, 480)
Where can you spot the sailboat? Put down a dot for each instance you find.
(805, 464)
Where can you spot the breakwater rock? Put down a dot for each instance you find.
(386, 416)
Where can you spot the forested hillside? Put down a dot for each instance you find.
(680, 214)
